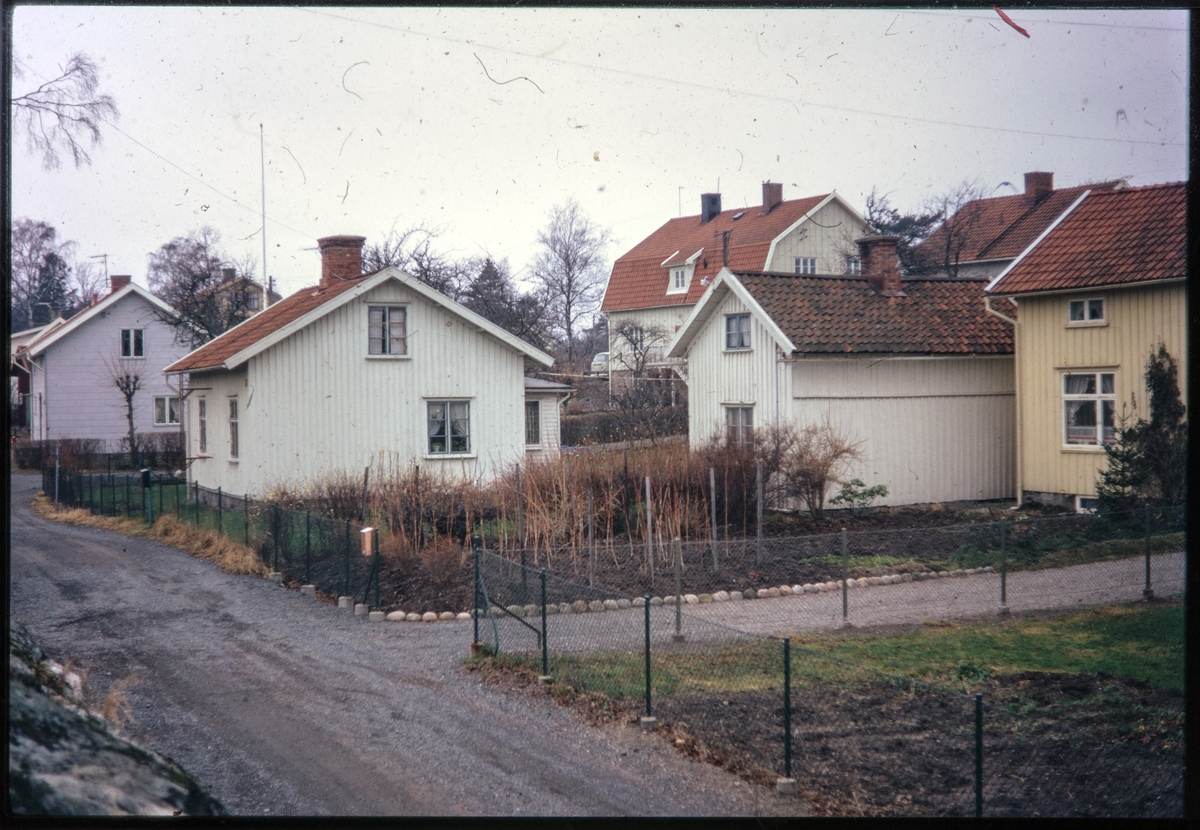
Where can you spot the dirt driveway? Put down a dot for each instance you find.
(284, 706)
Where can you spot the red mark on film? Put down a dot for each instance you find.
(1009, 21)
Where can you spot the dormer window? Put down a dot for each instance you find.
(678, 279)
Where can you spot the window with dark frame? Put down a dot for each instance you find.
(133, 343)
(449, 427)
(737, 331)
(387, 330)
(1089, 408)
(533, 429)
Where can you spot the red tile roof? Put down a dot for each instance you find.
(266, 322)
(840, 315)
(1112, 238)
(1003, 226)
(639, 279)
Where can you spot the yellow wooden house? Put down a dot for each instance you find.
(1090, 300)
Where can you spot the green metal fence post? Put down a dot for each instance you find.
(246, 519)
(197, 504)
(1147, 593)
(646, 605)
(545, 645)
(220, 512)
(979, 755)
(845, 576)
(275, 534)
(787, 707)
(128, 496)
(678, 563)
(307, 545)
(476, 544)
(346, 588)
(758, 519)
(1004, 567)
(375, 566)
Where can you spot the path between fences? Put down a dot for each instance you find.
(951, 598)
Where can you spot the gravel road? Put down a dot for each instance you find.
(284, 706)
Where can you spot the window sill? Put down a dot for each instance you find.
(1087, 449)
(448, 456)
(234, 460)
(739, 351)
(1087, 324)
(388, 356)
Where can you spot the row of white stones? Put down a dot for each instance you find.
(581, 606)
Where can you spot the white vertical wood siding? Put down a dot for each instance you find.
(669, 318)
(828, 235)
(717, 378)
(74, 377)
(932, 429)
(549, 433)
(315, 403)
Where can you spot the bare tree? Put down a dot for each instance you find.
(34, 243)
(961, 210)
(642, 397)
(126, 376)
(819, 456)
(64, 115)
(570, 270)
(412, 251)
(493, 295)
(204, 286)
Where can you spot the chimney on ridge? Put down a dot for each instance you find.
(341, 258)
(118, 282)
(710, 206)
(1038, 186)
(880, 265)
(227, 274)
(772, 196)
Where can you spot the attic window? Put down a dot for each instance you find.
(680, 278)
(806, 265)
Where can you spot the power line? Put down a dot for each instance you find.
(752, 95)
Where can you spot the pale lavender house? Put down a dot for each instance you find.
(70, 368)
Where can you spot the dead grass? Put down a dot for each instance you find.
(116, 707)
(206, 544)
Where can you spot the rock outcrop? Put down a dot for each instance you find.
(65, 760)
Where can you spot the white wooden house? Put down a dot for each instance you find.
(355, 369)
(915, 369)
(70, 367)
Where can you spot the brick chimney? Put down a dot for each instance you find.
(772, 196)
(227, 274)
(118, 282)
(880, 265)
(710, 206)
(341, 258)
(1038, 186)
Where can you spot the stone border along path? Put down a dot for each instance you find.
(943, 595)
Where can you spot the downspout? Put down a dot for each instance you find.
(1019, 471)
(183, 419)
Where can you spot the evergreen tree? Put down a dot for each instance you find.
(1147, 463)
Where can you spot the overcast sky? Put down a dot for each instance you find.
(479, 121)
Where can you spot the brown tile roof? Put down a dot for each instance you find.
(639, 280)
(266, 322)
(839, 315)
(1112, 238)
(1003, 226)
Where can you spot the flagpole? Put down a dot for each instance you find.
(263, 168)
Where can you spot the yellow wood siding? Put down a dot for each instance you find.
(1138, 319)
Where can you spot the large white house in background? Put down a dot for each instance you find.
(655, 285)
(357, 369)
(70, 367)
(915, 369)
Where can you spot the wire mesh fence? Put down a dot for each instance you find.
(720, 671)
(303, 547)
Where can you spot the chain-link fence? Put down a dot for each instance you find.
(303, 547)
(702, 655)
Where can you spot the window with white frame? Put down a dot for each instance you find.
(739, 424)
(449, 427)
(1089, 407)
(533, 433)
(202, 424)
(133, 343)
(805, 264)
(166, 410)
(737, 331)
(233, 428)
(854, 265)
(387, 330)
(679, 279)
(1086, 311)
